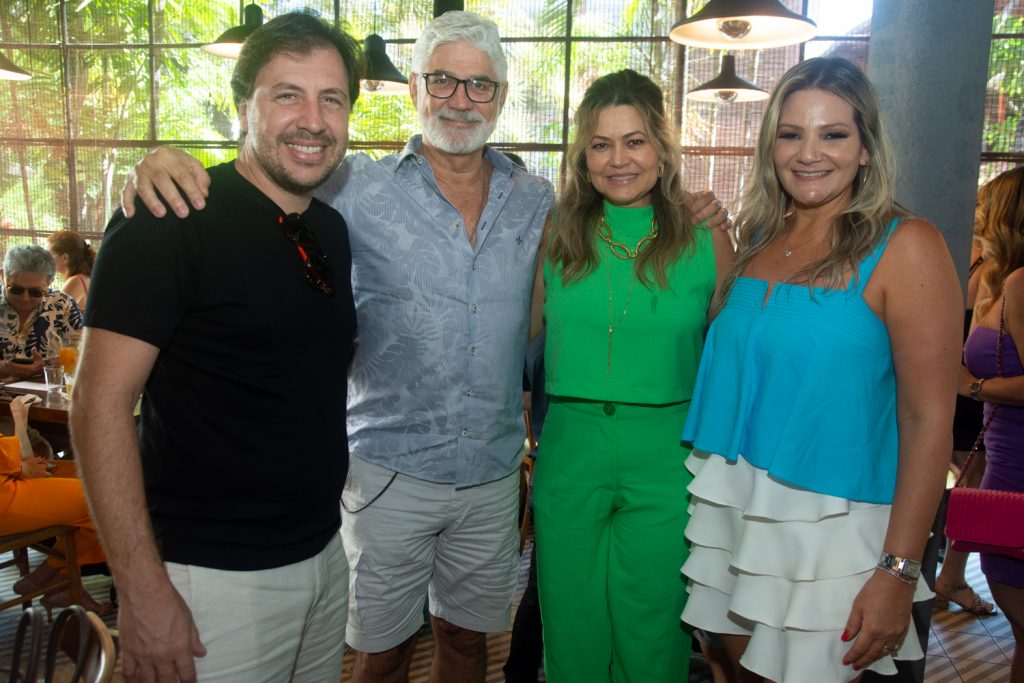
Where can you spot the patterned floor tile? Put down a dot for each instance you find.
(958, 621)
(940, 670)
(1007, 645)
(934, 646)
(974, 671)
(997, 626)
(968, 646)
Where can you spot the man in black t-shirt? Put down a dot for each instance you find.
(220, 515)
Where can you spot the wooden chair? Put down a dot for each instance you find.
(19, 545)
(525, 481)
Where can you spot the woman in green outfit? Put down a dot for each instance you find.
(625, 281)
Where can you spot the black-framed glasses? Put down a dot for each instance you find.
(314, 264)
(34, 292)
(443, 86)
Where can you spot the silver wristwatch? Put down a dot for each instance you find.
(900, 567)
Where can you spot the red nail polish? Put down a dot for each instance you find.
(846, 636)
(856, 668)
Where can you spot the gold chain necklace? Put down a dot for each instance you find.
(612, 324)
(619, 249)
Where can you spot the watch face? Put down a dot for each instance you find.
(975, 386)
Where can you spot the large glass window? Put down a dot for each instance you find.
(113, 78)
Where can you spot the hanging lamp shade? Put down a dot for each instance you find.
(9, 72)
(743, 24)
(382, 78)
(727, 86)
(229, 44)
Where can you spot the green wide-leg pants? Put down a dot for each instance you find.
(610, 506)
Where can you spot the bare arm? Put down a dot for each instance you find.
(1004, 390)
(725, 258)
(158, 637)
(539, 288)
(166, 173)
(916, 289)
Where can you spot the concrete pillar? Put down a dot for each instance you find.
(928, 60)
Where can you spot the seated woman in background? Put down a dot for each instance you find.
(625, 282)
(33, 318)
(995, 375)
(74, 258)
(822, 413)
(31, 499)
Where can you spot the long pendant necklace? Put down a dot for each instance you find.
(612, 323)
(618, 248)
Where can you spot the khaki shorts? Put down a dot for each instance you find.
(416, 538)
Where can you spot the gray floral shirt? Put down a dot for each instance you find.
(435, 390)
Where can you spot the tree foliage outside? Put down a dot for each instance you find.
(113, 78)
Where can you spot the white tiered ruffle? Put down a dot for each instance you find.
(782, 565)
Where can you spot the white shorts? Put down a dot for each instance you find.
(462, 544)
(270, 625)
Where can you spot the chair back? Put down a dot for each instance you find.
(27, 654)
(87, 641)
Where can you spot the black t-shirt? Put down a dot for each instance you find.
(243, 442)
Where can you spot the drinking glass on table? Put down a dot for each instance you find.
(53, 373)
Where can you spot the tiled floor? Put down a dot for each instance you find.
(962, 648)
(966, 648)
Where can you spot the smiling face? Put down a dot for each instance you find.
(818, 149)
(457, 125)
(621, 160)
(295, 124)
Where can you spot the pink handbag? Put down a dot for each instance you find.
(983, 520)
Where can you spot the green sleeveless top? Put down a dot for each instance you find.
(653, 350)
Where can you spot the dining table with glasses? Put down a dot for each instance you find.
(48, 413)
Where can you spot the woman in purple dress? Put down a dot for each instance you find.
(994, 375)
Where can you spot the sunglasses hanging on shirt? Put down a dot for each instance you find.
(315, 265)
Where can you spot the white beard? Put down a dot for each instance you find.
(456, 141)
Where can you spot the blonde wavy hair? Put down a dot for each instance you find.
(1001, 225)
(572, 244)
(860, 225)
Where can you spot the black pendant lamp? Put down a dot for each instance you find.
(727, 86)
(229, 44)
(10, 72)
(743, 24)
(382, 78)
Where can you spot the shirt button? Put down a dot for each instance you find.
(469, 392)
(609, 408)
(465, 432)
(473, 308)
(472, 350)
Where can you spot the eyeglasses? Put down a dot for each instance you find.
(34, 292)
(443, 86)
(315, 265)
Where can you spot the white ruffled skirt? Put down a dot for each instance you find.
(781, 565)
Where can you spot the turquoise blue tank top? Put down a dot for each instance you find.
(802, 386)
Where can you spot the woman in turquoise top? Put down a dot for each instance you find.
(823, 406)
(628, 282)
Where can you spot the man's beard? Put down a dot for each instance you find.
(269, 159)
(460, 141)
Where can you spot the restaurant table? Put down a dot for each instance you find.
(49, 416)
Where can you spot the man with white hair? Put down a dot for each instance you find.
(444, 246)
